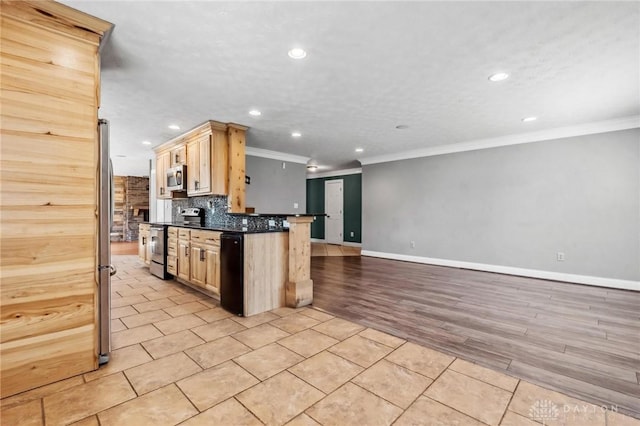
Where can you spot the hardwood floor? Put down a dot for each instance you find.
(580, 340)
(323, 249)
(124, 247)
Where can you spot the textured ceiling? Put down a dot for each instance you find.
(370, 66)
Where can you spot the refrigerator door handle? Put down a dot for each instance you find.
(105, 205)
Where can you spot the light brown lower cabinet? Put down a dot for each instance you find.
(193, 256)
(212, 280)
(184, 260)
(205, 267)
(172, 252)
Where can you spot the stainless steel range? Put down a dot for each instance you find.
(192, 216)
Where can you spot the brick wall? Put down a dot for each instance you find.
(131, 206)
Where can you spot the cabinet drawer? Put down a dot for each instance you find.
(172, 265)
(172, 232)
(172, 247)
(184, 234)
(206, 237)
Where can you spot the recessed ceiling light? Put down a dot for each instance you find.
(527, 119)
(359, 150)
(146, 143)
(297, 53)
(402, 126)
(500, 76)
(255, 112)
(174, 127)
(296, 134)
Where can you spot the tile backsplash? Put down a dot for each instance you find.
(215, 213)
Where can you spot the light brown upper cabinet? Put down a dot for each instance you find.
(199, 165)
(163, 163)
(214, 155)
(178, 155)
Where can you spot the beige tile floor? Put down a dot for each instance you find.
(180, 359)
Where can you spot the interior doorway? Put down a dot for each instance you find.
(333, 201)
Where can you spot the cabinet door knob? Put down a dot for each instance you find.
(202, 255)
(186, 251)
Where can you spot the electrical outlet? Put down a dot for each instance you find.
(244, 221)
(272, 223)
(413, 244)
(560, 256)
(295, 205)
(352, 234)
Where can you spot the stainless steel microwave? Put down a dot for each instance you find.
(176, 178)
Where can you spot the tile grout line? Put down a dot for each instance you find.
(303, 360)
(509, 403)
(385, 399)
(245, 407)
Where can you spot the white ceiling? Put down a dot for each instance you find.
(370, 66)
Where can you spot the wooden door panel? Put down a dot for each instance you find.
(198, 265)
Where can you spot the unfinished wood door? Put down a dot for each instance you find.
(179, 156)
(198, 265)
(163, 163)
(212, 281)
(199, 165)
(184, 262)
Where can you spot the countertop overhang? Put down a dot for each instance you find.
(277, 214)
(237, 230)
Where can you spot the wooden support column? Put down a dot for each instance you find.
(299, 291)
(236, 137)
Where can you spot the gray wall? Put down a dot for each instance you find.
(274, 189)
(514, 206)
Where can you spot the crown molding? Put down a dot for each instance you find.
(622, 123)
(275, 155)
(333, 173)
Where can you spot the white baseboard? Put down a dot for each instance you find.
(350, 244)
(509, 270)
(344, 243)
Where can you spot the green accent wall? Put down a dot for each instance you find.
(352, 208)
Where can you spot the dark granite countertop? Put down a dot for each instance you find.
(277, 214)
(238, 230)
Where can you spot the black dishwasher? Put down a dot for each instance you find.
(232, 273)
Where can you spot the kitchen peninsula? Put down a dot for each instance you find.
(251, 270)
(253, 262)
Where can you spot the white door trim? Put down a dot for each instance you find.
(326, 221)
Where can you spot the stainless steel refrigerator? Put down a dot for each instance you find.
(105, 220)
